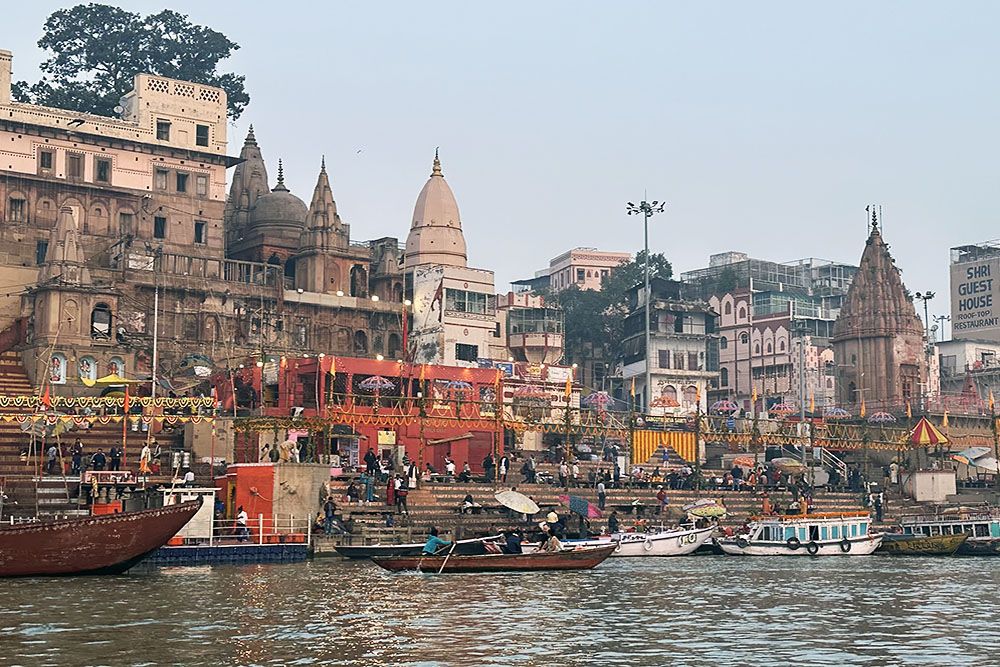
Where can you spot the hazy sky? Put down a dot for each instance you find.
(767, 127)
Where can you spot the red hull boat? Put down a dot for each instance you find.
(108, 544)
(582, 558)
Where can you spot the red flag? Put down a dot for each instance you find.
(47, 398)
(125, 405)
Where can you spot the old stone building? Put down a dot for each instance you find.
(102, 217)
(878, 341)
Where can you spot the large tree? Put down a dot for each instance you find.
(595, 319)
(96, 51)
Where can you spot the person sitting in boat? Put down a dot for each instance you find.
(513, 542)
(549, 540)
(434, 544)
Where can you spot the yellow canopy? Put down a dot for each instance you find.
(109, 379)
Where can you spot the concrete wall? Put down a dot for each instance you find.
(298, 489)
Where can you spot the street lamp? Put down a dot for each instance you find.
(925, 297)
(646, 210)
(941, 319)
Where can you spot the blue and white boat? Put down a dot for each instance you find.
(820, 534)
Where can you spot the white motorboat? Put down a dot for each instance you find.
(822, 534)
(667, 542)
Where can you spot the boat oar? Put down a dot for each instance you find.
(447, 557)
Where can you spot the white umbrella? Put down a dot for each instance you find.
(517, 502)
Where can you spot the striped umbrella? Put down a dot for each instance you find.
(723, 407)
(881, 418)
(597, 399)
(782, 409)
(836, 413)
(925, 433)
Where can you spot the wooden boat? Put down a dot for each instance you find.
(462, 548)
(106, 544)
(820, 534)
(921, 545)
(581, 558)
(981, 525)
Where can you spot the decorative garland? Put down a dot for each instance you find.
(106, 402)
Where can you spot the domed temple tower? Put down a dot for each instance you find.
(878, 340)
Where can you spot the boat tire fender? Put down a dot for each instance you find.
(793, 543)
(845, 545)
(812, 548)
(648, 544)
(742, 542)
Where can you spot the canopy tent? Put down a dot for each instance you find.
(110, 380)
(925, 433)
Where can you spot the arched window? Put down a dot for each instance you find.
(781, 345)
(116, 366)
(100, 322)
(359, 281)
(723, 343)
(770, 347)
(690, 394)
(669, 392)
(394, 346)
(88, 368)
(57, 369)
(290, 268)
(729, 308)
(756, 348)
(397, 293)
(744, 338)
(361, 342)
(724, 377)
(743, 313)
(852, 393)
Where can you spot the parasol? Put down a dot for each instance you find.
(664, 402)
(705, 508)
(881, 418)
(967, 456)
(376, 383)
(782, 409)
(788, 464)
(987, 463)
(598, 399)
(925, 433)
(517, 502)
(457, 384)
(836, 413)
(722, 407)
(744, 461)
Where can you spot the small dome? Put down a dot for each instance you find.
(436, 231)
(279, 208)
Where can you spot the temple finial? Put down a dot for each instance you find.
(322, 163)
(437, 164)
(280, 185)
(874, 220)
(251, 139)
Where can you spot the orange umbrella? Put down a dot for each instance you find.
(925, 433)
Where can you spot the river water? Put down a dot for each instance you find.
(710, 610)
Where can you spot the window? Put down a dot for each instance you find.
(743, 313)
(201, 135)
(465, 352)
(74, 166)
(744, 338)
(15, 209)
(100, 322)
(45, 160)
(781, 345)
(580, 275)
(729, 308)
(163, 130)
(160, 179)
(724, 377)
(664, 358)
(693, 361)
(182, 182)
(102, 171)
(125, 222)
(723, 343)
(756, 348)
(360, 342)
(88, 368)
(199, 231)
(159, 228)
(678, 323)
(465, 302)
(41, 250)
(201, 185)
(679, 362)
(57, 369)
(770, 347)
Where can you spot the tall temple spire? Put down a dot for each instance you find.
(249, 183)
(436, 232)
(323, 208)
(64, 260)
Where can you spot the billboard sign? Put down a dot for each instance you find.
(974, 299)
